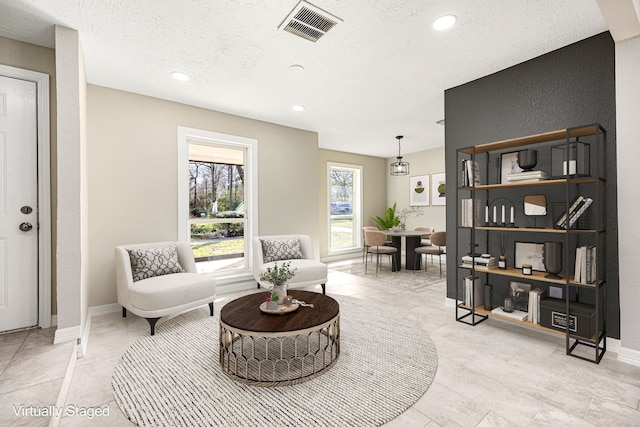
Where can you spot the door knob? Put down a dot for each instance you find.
(25, 226)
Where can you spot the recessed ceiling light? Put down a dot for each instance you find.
(444, 22)
(296, 68)
(298, 108)
(178, 75)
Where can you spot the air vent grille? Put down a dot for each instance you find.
(308, 22)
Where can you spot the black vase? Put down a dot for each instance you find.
(552, 258)
(527, 159)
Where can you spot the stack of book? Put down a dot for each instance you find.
(585, 268)
(526, 176)
(470, 173)
(535, 295)
(576, 209)
(472, 288)
(480, 262)
(467, 212)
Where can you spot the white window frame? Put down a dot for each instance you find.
(250, 146)
(357, 204)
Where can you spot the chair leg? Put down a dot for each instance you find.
(258, 285)
(377, 262)
(210, 309)
(152, 323)
(365, 264)
(323, 289)
(415, 261)
(440, 259)
(124, 312)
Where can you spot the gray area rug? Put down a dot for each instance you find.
(173, 378)
(405, 279)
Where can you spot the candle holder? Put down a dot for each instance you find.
(500, 212)
(570, 159)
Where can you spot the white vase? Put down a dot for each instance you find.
(280, 291)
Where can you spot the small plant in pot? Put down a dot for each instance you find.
(278, 277)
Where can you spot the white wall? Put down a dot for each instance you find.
(420, 163)
(132, 174)
(69, 249)
(628, 158)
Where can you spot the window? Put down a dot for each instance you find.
(215, 194)
(345, 218)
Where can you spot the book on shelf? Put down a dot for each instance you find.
(480, 263)
(527, 176)
(535, 296)
(515, 314)
(472, 291)
(470, 212)
(579, 211)
(470, 173)
(572, 206)
(585, 270)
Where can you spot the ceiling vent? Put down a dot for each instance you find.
(308, 21)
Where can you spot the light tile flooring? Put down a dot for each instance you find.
(494, 374)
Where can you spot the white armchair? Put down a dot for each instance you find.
(296, 248)
(158, 279)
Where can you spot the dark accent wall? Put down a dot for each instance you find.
(571, 86)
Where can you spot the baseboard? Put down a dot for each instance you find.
(56, 416)
(67, 334)
(54, 320)
(104, 309)
(340, 257)
(629, 356)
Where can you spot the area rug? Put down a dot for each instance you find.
(173, 378)
(405, 279)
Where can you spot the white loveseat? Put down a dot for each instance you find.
(294, 248)
(158, 279)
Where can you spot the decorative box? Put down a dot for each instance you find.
(582, 317)
(570, 159)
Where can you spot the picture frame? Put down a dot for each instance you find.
(519, 292)
(419, 190)
(508, 164)
(438, 189)
(529, 253)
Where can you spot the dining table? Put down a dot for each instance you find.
(412, 241)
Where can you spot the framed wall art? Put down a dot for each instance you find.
(419, 190)
(438, 189)
(508, 164)
(529, 253)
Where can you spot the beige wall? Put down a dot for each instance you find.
(373, 183)
(42, 59)
(132, 175)
(421, 163)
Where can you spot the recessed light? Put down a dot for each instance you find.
(298, 108)
(296, 68)
(178, 75)
(444, 22)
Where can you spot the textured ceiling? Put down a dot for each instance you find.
(379, 73)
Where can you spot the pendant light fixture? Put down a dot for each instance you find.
(399, 167)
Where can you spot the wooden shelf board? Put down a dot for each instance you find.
(533, 139)
(537, 275)
(533, 230)
(544, 182)
(481, 310)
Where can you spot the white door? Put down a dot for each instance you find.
(18, 204)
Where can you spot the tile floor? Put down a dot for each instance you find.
(494, 374)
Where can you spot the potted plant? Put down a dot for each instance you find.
(278, 277)
(389, 220)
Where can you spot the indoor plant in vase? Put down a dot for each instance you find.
(278, 277)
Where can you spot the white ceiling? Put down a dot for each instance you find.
(379, 73)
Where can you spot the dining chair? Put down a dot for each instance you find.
(365, 247)
(426, 237)
(438, 247)
(376, 240)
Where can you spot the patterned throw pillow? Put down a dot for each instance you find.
(277, 250)
(154, 262)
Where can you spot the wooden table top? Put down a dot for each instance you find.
(244, 313)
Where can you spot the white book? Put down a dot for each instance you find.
(576, 273)
(516, 314)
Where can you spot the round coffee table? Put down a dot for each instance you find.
(268, 349)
